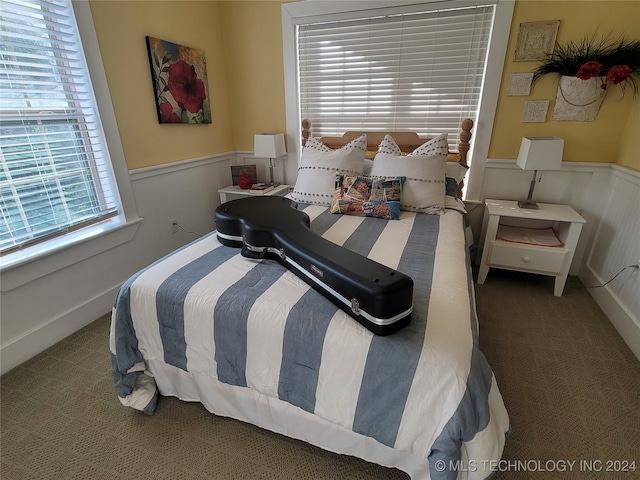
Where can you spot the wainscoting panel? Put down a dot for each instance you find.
(37, 314)
(41, 311)
(616, 244)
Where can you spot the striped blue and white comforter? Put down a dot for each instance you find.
(206, 309)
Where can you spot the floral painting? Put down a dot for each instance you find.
(179, 76)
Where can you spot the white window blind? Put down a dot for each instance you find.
(419, 71)
(55, 172)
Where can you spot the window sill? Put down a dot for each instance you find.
(22, 267)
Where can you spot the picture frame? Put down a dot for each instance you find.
(536, 40)
(236, 171)
(180, 86)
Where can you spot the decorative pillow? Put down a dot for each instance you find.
(377, 197)
(456, 170)
(451, 187)
(368, 165)
(454, 173)
(319, 165)
(424, 169)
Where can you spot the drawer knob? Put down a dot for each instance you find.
(526, 259)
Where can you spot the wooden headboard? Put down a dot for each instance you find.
(407, 141)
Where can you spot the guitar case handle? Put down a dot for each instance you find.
(252, 252)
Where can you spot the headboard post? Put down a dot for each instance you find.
(465, 137)
(306, 131)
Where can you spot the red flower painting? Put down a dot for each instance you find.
(180, 82)
(185, 86)
(167, 114)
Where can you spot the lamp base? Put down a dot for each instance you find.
(272, 182)
(528, 205)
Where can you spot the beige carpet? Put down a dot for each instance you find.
(570, 383)
(571, 386)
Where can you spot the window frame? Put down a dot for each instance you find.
(32, 262)
(302, 12)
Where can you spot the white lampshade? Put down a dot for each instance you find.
(540, 153)
(269, 145)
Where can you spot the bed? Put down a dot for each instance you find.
(252, 341)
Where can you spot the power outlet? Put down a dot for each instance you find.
(174, 225)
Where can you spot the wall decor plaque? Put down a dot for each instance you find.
(535, 40)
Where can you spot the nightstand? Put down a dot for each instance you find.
(233, 192)
(519, 252)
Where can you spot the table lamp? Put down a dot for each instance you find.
(271, 146)
(539, 153)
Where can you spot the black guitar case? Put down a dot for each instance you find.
(378, 297)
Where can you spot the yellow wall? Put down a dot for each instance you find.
(630, 145)
(597, 141)
(121, 27)
(254, 61)
(242, 41)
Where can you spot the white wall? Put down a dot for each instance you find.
(608, 197)
(616, 244)
(40, 313)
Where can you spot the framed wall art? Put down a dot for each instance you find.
(179, 76)
(238, 170)
(535, 40)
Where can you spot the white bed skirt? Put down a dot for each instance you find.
(275, 415)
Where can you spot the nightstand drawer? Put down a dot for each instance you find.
(541, 259)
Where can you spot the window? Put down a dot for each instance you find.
(56, 174)
(398, 65)
(394, 72)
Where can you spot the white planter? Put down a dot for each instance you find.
(578, 100)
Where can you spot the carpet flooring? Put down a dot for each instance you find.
(570, 384)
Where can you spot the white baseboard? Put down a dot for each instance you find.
(620, 317)
(36, 340)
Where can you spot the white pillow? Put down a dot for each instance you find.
(424, 168)
(318, 168)
(456, 170)
(455, 173)
(368, 165)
